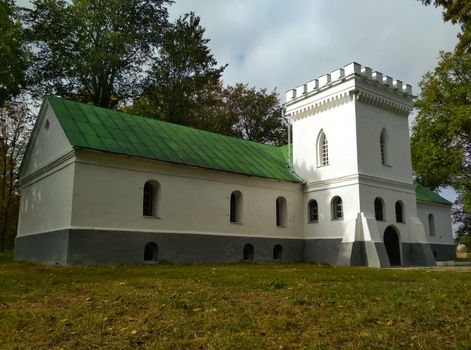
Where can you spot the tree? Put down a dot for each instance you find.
(461, 218)
(15, 127)
(94, 51)
(184, 82)
(13, 53)
(254, 115)
(441, 134)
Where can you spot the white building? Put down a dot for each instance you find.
(100, 186)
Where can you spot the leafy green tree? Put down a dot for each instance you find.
(254, 115)
(95, 51)
(13, 53)
(441, 134)
(184, 81)
(461, 218)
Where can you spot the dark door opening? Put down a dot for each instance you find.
(391, 242)
(277, 252)
(248, 252)
(151, 252)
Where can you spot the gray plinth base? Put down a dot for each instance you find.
(359, 253)
(47, 247)
(123, 247)
(72, 247)
(443, 252)
(322, 251)
(417, 254)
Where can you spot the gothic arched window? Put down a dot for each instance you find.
(379, 209)
(431, 225)
(337, 208)
(150, 200)
(281, 212)
(322, 150)
(384, 147)
(313, 211)
(399, 212)
(236, 207)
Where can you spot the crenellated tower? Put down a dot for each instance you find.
(351, 146)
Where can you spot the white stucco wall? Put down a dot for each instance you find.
(46, 201)
(370, 123)
(327, 227)
(390, 194)
(46, 178)
(108, 193)
(338, 124)
(47, 144)
(442, 219)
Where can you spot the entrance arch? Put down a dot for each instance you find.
(392, 244)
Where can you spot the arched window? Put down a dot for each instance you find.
(277, 252)
(383, 145)
(281, 212)
(236, 206)
(313, 211)
(431, 225)
(379, 209)
(399, 212)
(150, 205)
(151, 252)
(322, 150)
(248, 252)
(337, 208)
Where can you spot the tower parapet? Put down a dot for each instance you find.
(346, 73)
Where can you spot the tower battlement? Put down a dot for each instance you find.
(346, 73)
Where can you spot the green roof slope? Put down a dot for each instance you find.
(102, 129)
(425, 194)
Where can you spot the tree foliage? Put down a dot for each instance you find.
(15, 127)
(254, 115)
(462, 218)
(441, 134)
(94, 51)
(184, 81)
(13, 53)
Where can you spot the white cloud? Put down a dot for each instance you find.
(274, 43)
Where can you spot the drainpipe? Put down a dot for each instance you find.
(289, 135)
(290, 146)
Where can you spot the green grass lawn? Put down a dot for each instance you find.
(232, 307)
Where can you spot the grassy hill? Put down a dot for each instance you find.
(232, 307)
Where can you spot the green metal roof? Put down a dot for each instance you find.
(102, 129)
(425, 194)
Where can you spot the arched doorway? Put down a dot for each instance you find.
(277, 252)
(391, 242)
(248, 252)
(151, 252)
